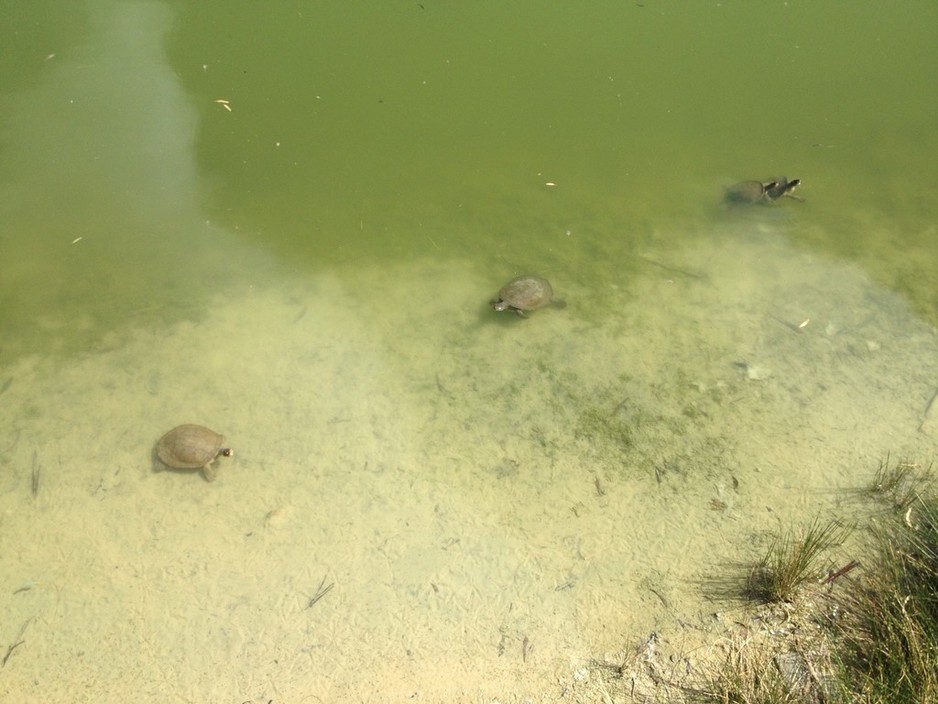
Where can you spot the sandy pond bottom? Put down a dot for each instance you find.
(496, 502)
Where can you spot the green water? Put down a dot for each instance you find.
(361, 134)
(286, 221)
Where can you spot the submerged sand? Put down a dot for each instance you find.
(497, 503)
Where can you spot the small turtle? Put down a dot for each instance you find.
(750, 192)
(524, 293)
(192, 446)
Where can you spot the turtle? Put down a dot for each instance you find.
(750, 192)
(525, 293)
(192, 446)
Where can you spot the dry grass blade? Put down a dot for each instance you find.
(890, 632)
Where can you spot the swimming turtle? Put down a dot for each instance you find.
(524, 293)
(192, 446)
(749, 192)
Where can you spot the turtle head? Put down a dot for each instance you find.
(781, 187)
(499, 305)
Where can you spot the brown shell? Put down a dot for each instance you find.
(190, 446)
(748, 192)
(524, 293)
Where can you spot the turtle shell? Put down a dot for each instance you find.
(523, 293)
(749, 191)
(191, 446)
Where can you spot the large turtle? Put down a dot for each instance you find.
(525, 293)
(192, 446)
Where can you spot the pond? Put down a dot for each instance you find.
(287, 222)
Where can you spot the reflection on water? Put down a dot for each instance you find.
(498, 501)
(104, 227)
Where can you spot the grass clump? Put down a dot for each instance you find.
(866, 633)
(898, 485)
(754, 674)
(889, 631)
(792, 560)
(879, 628)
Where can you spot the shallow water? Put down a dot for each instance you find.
(306, 268)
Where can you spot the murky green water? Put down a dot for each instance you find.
(285, 221)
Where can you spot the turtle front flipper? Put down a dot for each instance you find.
(208, 472)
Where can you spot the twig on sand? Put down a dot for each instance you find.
(321, 591)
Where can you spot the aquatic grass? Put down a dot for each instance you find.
(899, 484)
(793, 559)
